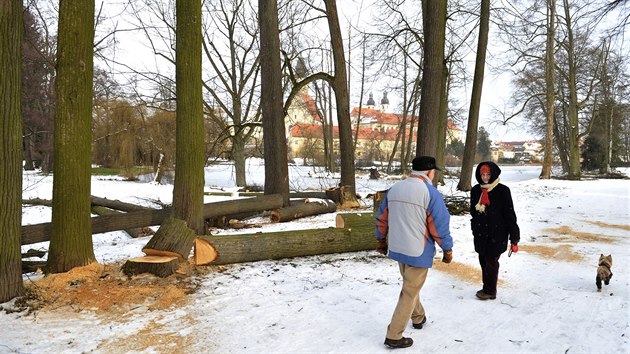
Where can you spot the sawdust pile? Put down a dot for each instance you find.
(570, 235)
(104, 288)
(462, 271)
(561, 252)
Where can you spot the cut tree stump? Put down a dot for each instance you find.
(162, 266)
(173, 238)
(358, 234)
(342, 196)
(106, 223)
(302, 210)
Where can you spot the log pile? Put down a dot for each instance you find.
(456, 205)
(297, 211)
(150, 217)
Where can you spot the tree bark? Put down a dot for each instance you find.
(71, 236)
(11, 284)
(434, 29)
(302, 210)
(190, 131)
(356, 233)
(41, 232)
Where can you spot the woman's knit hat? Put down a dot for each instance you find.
(485, 168)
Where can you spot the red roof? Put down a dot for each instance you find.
(315, 131)
(381, 117)
(310, 105)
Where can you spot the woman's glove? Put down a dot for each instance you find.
(513, 249)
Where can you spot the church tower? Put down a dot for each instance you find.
(384, 103)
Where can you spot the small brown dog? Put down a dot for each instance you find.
(603, 271)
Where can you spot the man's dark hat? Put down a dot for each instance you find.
(424, 163)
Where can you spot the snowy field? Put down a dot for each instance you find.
(546, 303)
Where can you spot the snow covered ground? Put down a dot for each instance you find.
(342, 303)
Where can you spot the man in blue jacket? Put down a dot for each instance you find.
(411, 220)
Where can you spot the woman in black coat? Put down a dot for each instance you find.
(493, 223)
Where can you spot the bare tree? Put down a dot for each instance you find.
(230, 86)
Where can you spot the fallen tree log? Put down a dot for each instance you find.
(106, 223)
(204, 252)
(302, 210)
(37, 201)
(133, 232)
(32, 266)
(302, 195)
(162, 266)
(228, 221)
(117, 204)
(457, 205)
(357, 235)
(33, 253)
(96, 201)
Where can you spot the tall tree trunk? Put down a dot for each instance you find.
(10, 150)
(190, 148)
(561, 142)
(71, 237)
(607, 112)
(342, 98)
(574, 125)
(356, 132)
(550, 78)
(470, 148)
(434, 30)
(442, 127)
(333, 153)
(238, 156)
(275, 142)
(28, 153)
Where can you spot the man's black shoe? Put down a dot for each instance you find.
(399, 343)
(419, 325)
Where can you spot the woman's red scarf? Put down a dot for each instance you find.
(484, 200)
